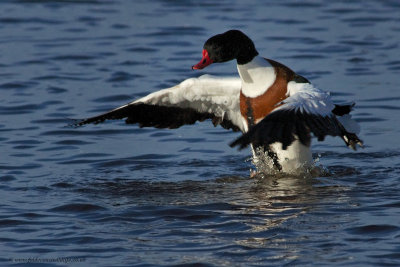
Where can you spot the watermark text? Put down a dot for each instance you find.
(65, 260)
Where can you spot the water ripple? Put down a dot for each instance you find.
(121, 76)
(34, 20)
(17, 85)
(374, 230)
(173, 31)
(77, 207)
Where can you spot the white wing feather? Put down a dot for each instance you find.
(207, 94)
(216, 95)
(308, 99)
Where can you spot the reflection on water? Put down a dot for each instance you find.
(246, 214)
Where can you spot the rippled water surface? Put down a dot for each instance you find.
(117, 195)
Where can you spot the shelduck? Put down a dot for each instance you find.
(276, 109)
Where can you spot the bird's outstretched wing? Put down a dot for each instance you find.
(194, 99)
(306, 110)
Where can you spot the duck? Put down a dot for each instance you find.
(276, 110)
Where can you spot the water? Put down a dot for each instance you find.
(118, 195)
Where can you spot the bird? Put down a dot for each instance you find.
(276, 110)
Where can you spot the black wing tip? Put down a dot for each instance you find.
(240, 143)
(352, 141)
(75, 123)
(344, 109)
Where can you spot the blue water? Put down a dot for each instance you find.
(117, 195)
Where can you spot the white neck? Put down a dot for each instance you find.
(257, 76)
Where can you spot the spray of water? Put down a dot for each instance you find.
(264, 167)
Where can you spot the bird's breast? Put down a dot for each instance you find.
(254, 109)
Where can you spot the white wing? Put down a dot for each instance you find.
(194, 99)
(306, 110)
(304, 97)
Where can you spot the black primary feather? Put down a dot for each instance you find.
(157, 116)
(283, 125)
